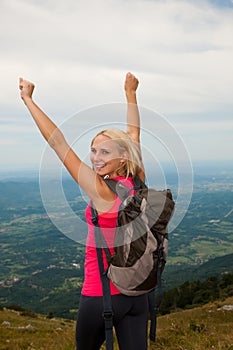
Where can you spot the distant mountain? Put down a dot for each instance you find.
(176, 275)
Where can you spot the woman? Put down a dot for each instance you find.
(114, 154)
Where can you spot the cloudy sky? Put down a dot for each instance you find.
(77, 53)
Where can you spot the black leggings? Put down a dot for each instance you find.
(130, 322)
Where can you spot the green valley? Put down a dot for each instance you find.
(42, 270)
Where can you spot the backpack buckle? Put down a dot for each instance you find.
(94, 215)
(94, 220)
(107, 315)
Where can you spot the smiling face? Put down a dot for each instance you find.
(105, 156)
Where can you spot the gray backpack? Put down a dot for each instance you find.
(141, 240)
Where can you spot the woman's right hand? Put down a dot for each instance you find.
(26, 88)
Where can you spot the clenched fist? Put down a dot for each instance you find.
(131, 83)
(26, 88)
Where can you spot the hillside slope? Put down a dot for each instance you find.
(207, 327)
(176, 275)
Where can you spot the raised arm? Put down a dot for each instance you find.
(133, 117)
(91, 183)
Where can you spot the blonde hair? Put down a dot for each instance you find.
(133, 162)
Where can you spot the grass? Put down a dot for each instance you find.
(35, 333)
(206, 327)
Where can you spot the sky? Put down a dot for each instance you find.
(77, 52)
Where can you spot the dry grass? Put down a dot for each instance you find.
(40, 333)
(207, 327)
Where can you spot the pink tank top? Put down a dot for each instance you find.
(92, 285)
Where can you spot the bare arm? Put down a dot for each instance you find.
(92, 184)
(133, 117)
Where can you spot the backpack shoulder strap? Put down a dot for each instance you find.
(118, 188)
(138, 182)
(107, 303)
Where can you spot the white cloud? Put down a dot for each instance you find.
(77, 53)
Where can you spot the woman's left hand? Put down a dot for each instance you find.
(131, 83)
